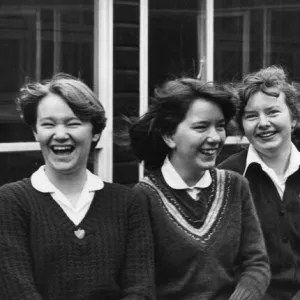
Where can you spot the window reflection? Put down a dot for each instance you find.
(260, 34)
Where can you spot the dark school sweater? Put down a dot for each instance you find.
(42, 258)
(225, 258)
(280, 222)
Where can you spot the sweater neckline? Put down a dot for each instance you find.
(216, 212)
(194, 210)
(88, 223)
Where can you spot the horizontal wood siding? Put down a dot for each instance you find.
(126, 85)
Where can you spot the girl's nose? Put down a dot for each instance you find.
(60, 132)
(214, 136)
(263, 121)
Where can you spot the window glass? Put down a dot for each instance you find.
(174, 38)
(249, 35)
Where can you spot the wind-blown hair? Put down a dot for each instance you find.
(169, 107)
(262, 81)
(77, 94)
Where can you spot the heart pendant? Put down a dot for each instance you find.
(80, 233)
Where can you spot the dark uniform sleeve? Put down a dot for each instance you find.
(138, 268)
(255, 275)
(16, 276)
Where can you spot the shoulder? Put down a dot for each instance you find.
(122, 194)
(21, 187)
(231, 181)
(116, 190)
(16, 197)
(229, 175)
(235, 162)
(116, 187)
(148, 185)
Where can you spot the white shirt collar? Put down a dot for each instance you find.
(293, 166)
(76, 214)
(174, 180)
(40, 182)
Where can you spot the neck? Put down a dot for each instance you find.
(67, 183)
(191, 178)
(278, 160)
(189, 175)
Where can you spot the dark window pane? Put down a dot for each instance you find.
(285, 39)
(228, 54)
(173, 47)
(15, 166)
(250, 35)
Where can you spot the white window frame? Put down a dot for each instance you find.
(143, 60)
(103, 84)
(206, 53)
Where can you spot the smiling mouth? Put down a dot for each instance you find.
(209, 152)
(266, 135)
(62, 150)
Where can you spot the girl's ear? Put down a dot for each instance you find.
(96, 137)
(169, 141)
(35, 135)
(294, 124)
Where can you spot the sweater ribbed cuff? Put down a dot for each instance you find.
(242, 294)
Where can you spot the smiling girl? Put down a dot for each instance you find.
(64, 233)
(207, 238)
(268, 115)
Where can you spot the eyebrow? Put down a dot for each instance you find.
(53, 118)
(207, 121)
(268, 107)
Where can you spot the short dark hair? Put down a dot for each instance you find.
(75, 92)
(169, 107)
(262, 81)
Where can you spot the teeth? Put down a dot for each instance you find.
(266, 134)
(61, 148)
(208, 151)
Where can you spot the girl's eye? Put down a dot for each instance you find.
(273, 112)
(200, 128)
(47, 125)
(221, 127)
(249, 117)
(74, 124)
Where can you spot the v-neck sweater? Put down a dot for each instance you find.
(223, 259)
(42, 258)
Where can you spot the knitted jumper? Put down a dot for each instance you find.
(42, 258)
(225, 258)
